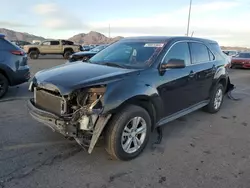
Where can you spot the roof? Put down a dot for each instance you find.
(166, 38)
(2, 35)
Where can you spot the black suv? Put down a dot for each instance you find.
(13, 65)
(128, 89)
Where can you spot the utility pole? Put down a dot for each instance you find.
(189, 14)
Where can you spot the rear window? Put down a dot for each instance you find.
(7, 45)
(66, 42)
(216, 51)
(54, 42)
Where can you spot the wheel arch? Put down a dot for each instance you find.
(223, 81)
(33, 49)
(68, 49)
(3, 72)
(143, 101)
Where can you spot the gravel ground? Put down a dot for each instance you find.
(198, 150)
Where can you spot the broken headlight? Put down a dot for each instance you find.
(91, 98)
(89, 102)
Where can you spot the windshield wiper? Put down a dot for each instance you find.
(114, 65)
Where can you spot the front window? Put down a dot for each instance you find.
(46, 43)
(128, 54)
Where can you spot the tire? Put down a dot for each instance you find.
(215, 98)
(34, 54)
(115, 130)
(67, 54)
(4, 85)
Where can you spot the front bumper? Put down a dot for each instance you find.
(53, 121)
(65, 126)
(245, 65)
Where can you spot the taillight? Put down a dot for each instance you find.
(17, 52)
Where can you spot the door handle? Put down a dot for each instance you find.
(191, 74)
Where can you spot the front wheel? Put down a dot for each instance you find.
(216, 99)
(34, 54)
(128, 132)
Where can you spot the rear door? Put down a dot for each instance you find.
(204, 67)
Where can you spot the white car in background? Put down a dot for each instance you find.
(231, 53)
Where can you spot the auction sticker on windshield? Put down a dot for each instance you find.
(155, 45)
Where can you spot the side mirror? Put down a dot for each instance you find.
(173, 64)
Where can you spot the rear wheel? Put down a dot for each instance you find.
(34, 54)
(216, 99)
(67, 54)
(4, 85)
(127, 133)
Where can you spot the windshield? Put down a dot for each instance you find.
(128, 54)
(243, 55)
(98, 48)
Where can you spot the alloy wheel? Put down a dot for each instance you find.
(218, 98)
(134, 134)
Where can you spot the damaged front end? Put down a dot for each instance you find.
(77, 115)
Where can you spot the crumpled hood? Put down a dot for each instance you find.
(68, 77)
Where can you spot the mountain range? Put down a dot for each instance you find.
(92, 37)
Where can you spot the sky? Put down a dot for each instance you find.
(226, 21)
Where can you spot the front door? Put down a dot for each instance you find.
(176, 85)
(45, 47)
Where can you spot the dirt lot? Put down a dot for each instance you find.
(199, 150)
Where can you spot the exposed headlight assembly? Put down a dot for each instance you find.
(91, 97)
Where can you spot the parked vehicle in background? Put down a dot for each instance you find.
(128, 89)
(14, 69)
(86, 48)
(59, 47)
(242, 60)
(36, 42)
(229, 59)
(85, 56)
(231, 53)
(20, 43)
